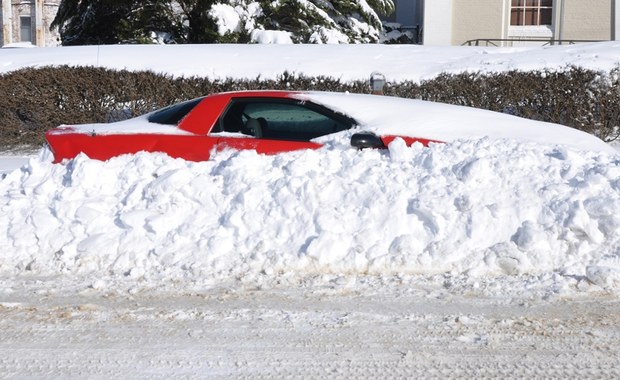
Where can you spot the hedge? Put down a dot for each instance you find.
(37, 99)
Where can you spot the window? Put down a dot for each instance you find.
(172, 115)
(282, 119)
(25, 29)
(531, 12)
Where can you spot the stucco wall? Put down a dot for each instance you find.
(476, 19)
(18, 11)
(590, 20)
(5, 27)
(52, 38)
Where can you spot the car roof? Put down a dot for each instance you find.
(257, 94)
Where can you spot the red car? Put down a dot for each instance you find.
(279, 121)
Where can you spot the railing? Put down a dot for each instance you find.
(547, 41)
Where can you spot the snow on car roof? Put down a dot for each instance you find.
(437, 121)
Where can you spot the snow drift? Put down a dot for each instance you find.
(347, 62)
(481, 208)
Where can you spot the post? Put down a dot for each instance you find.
(38, 22)
(7, 27)
(377, 82)
(558, 20)
(615, 17)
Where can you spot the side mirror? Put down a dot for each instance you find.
(364, 140)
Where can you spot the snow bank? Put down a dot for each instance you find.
(347, 62)
(481, 208)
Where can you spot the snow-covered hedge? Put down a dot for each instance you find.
(42, 98)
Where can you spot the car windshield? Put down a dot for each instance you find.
(173, 114)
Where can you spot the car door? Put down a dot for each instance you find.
(273, 125)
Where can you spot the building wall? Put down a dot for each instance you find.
(452, 22)
(476, 19)
(438, 22)
(41, 13)
(587, 20)
(5, 26)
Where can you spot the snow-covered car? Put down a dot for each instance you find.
(280, 121)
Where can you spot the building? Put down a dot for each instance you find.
(24, 21)
(454, 22)
(433, 22)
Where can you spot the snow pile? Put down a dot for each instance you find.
(347, 62)
(481, 208)
(270, 37)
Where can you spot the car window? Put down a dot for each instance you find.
(173, 114)
(282, 119)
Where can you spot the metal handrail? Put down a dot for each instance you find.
(548, 41)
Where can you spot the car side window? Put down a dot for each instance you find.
(173, 114)
(281, 119)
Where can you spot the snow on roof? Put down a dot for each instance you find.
(443, 122)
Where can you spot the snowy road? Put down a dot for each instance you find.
(338, 331)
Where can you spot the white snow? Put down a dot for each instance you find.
(271, 37)
(442, 122)
(135, 125)
(9, 163)
(346, 62)
(481, 207)
(18, 45)
(227, 19)
(492, 256)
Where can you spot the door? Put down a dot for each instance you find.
(276, 125)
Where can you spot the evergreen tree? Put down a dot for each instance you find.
(83, 22)
(309, 21)
(321, 21)
(89, 22)
(196, 23)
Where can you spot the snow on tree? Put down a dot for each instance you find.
(304, 21)
(213, 21)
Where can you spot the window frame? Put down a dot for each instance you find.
(525, 9)
(23, 28)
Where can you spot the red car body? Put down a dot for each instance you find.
(198, 133)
